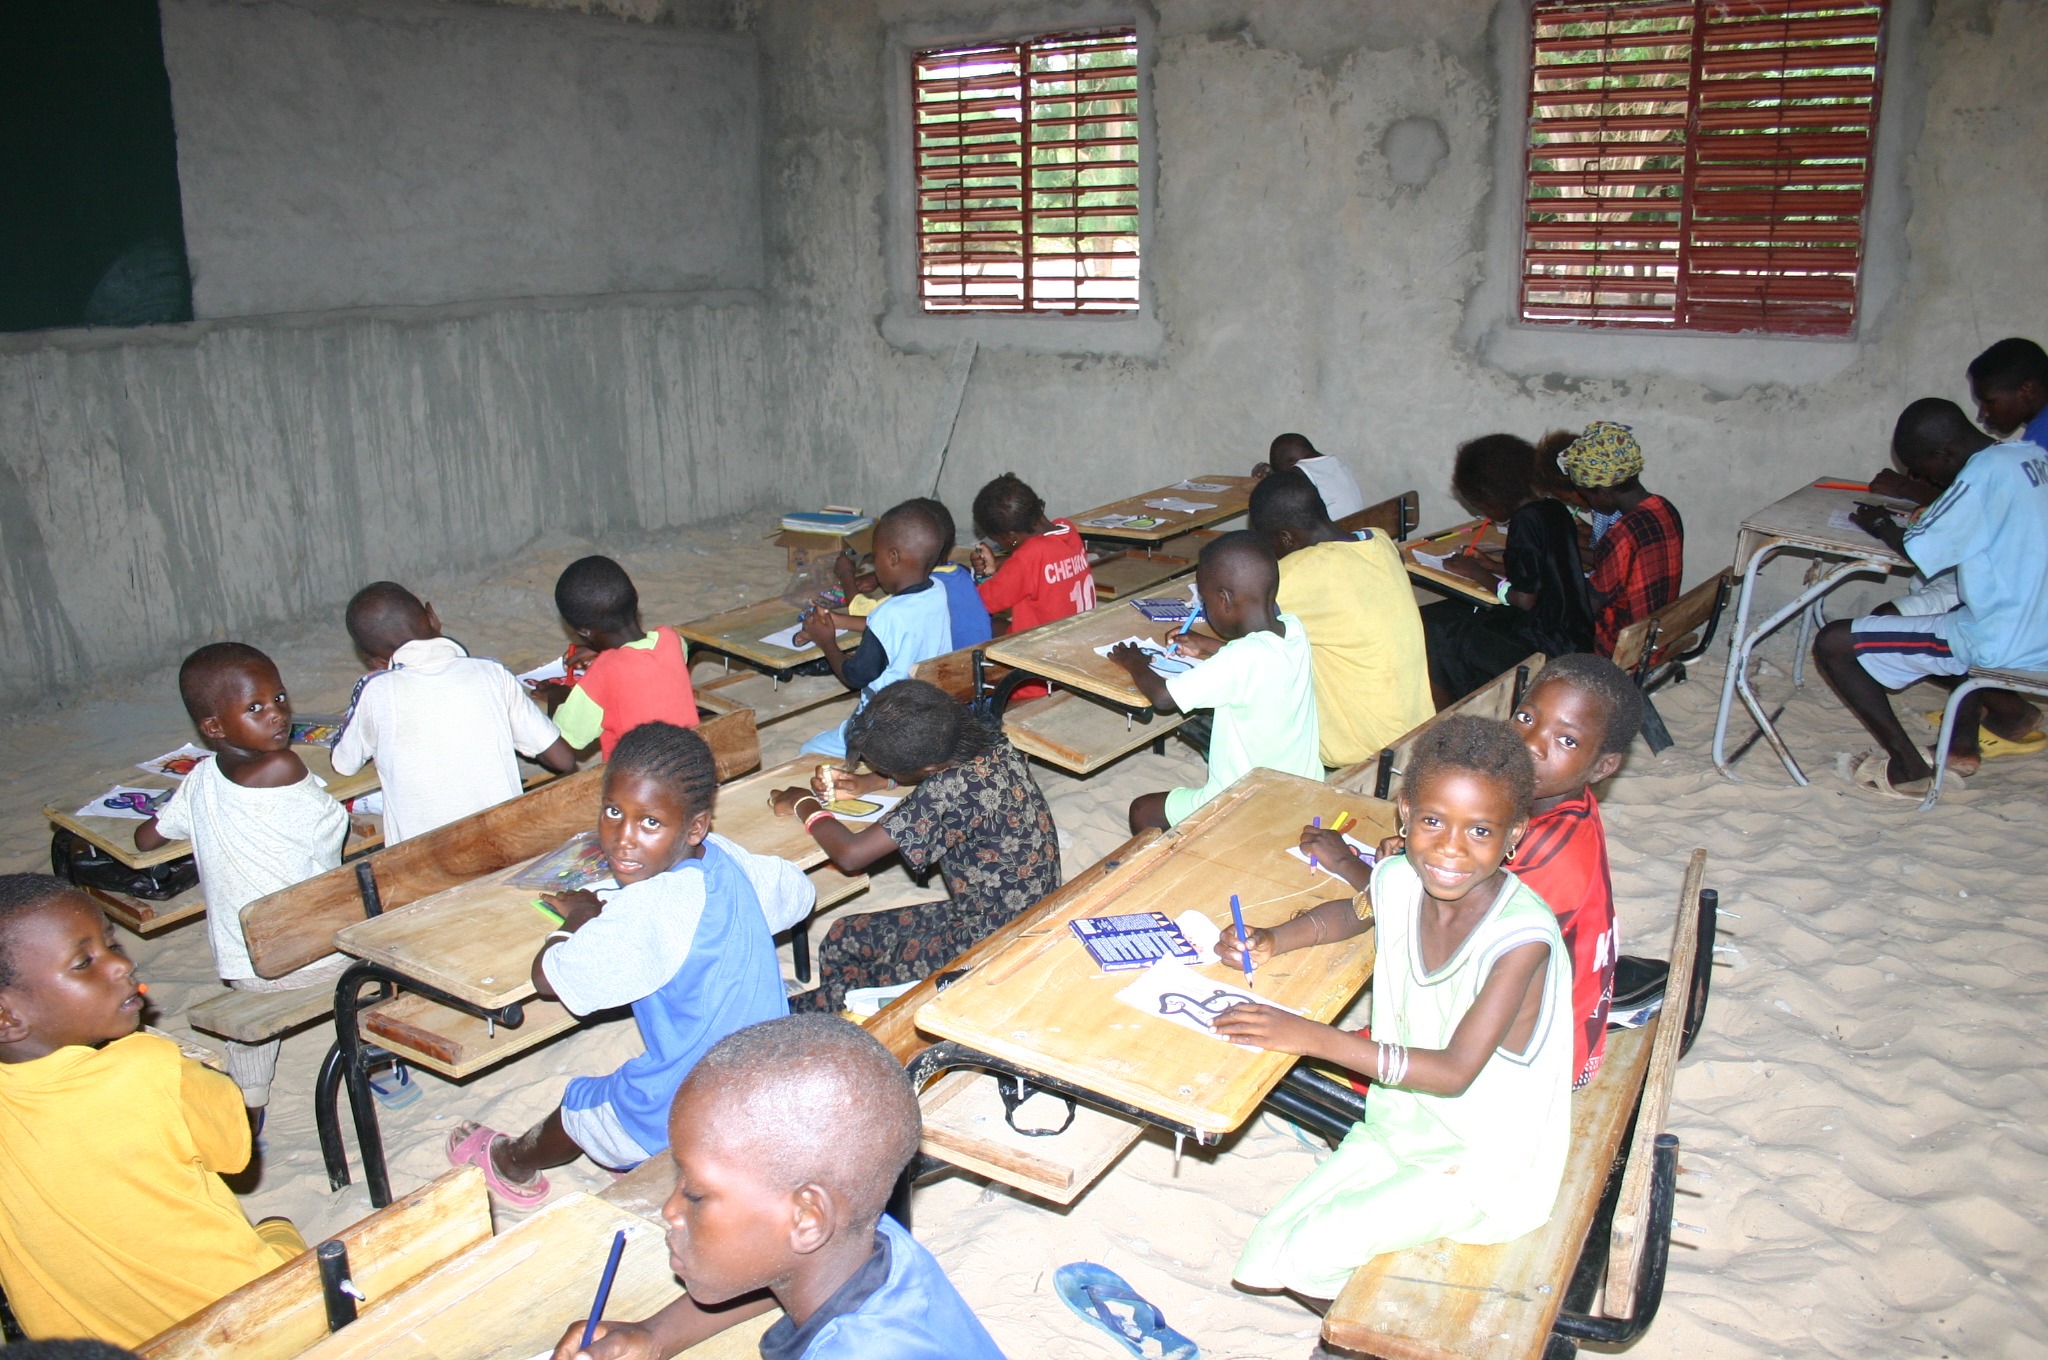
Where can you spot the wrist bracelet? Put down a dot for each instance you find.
(796, 808)
(814, 818)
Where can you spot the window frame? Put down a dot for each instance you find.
(904, 323)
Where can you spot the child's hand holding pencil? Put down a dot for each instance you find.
(574, 909)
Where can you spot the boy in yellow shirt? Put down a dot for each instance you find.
(1364, 631)
(114, 1222)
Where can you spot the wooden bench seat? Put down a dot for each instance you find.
(456, 1043)
(964, 1125)
(257, 1017)
(769, 699)
(1078, 734)
(1655, 648)
(141, 916)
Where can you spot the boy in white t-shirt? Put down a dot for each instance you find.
(1339, 489)
(1991, 527)
(445, 728)
(259, 821)
(1259, 680)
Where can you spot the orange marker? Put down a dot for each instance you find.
(143, 988)
(1472, 548)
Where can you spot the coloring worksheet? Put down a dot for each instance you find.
(1174, 992)
(176, 764)
(1163, 661)
(126, 802)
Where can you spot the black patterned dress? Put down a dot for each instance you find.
(986, 827)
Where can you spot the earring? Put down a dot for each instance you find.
(1509, 858)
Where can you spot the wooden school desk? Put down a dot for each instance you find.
(116, 836)
(1801, 523)
(1043, 1011)
(1224, 504)
(1493, 540)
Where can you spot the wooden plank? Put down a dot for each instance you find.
(292, 928)
(475, 941)
(455, 1043)
(1064, 651)
(1448, 1301)
(1493, 540)
(1632, 1209)
(735, 744)
(770, 700)
(1804, 517)
(1130, 573)
(254, 1017)
(964, 1125)
(1669, 629)
(954, 672)
(1394, 517)
(116, 835)
(1077, 734)
(1495, 699)
(738, 632)
(512, 1296)
(895, 1026)
(743, 814)
(144, 917)
(1171, 523)
(280, 1314)
(1043, 1004)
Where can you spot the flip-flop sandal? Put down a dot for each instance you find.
(396, 1091)
(1991, 746)
(1103, 1299)
(1872, 770)
(474, 1149)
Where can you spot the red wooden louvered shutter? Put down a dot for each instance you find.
(1700, 164)
(1027, 174)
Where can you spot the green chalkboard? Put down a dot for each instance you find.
(90, 227)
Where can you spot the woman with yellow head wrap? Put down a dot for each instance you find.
(1636, 564)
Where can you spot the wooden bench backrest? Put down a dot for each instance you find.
(1495, 699)
(1396, 516)
(954, 672)
(1446, 1301)
(291, 928)
(280, 1314)
(1652, 636)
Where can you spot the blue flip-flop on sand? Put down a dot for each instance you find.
(1102, 1298)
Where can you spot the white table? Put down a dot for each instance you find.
(1796, 524)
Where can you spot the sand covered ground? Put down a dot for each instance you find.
(1862, 1121)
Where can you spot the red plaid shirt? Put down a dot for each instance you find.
(1636, 568)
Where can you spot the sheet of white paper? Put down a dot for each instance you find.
(1210, 487)
(553, 670)
(885, 801)
(1175, 505)
(114, 803)
(1364, 852)
(1163, 663)
(789, 642)
(1431, 560)
(1839, 519)
(1171, 991)
(1107, 522)
(1201, 932)
(175, 764)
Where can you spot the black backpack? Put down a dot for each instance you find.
(79, 861)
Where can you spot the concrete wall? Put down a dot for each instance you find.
(349, 153)
(1330, 187)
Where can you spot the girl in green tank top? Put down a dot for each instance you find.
(1470, 1048)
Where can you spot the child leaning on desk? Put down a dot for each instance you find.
(788, 1140)
(1259, 680)
(1471, 1040)
(259, 821)
(114, 1221)
(682, 933)
(631, 676)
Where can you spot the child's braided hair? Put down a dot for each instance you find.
(1480, 745)
(914, 724)
(675, 757)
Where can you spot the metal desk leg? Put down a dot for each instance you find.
(1738, 656)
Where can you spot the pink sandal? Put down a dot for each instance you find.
(473, 1148)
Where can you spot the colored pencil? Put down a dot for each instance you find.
(1843, 486)
(1244, 945)
(1312, 859)
(604, 1289)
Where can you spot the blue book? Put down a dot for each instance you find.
(832, 523)
(1139, 940)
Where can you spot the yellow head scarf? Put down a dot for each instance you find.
(1605, 455)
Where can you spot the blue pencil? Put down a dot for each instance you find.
(1189, 621)
(1244, 946)
(1312, 859)
(604, 1289)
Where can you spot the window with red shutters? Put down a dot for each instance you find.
(1700, 165)
(1026, 165)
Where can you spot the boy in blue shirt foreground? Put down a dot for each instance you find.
(788, 1138)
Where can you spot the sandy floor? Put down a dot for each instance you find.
(1861, 1122)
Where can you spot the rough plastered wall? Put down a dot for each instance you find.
(1323, 238)
(166, 486)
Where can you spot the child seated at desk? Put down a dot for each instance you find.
(2009, 383)
(913, 624)
(1259, 679)
(1333, 481)
(445, 728)
(682, 933)
(1991, 528)
(1577, 720)
(1045, 574)
(632, 676)
(259, 821)
(972, 810)
(1541, 586)
(1637, 565)
(1470, 1047)
(969, 617)
(114, 1222)
(788, 1140)
(1364, 632)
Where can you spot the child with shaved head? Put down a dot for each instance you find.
(445, 728)
(788, 1138)
(1259, 680)
(259, 821)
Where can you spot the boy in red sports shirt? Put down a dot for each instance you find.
(1046, 575)
(1577, 720)
(634, 677)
